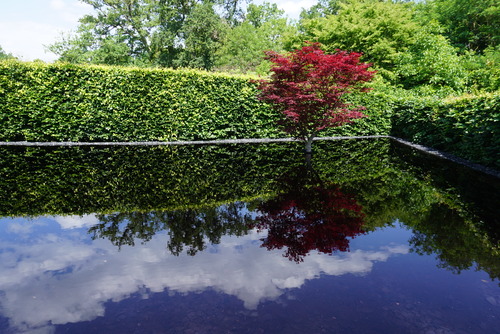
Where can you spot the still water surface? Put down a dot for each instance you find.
(369, 236)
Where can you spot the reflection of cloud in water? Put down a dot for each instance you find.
(62, 280)
(72, 221)
(22, 227)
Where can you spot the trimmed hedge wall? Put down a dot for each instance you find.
(63, 102)
(468, 126)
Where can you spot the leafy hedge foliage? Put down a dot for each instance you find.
(64, 102)
(61, 102)
(467, 126)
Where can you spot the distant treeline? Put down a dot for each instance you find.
(446, 46)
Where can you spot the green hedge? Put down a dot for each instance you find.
(63, 102)
(468, 126)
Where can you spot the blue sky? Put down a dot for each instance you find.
(27, 25)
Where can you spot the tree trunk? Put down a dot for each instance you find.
(308, 147)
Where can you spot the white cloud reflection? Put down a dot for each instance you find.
(73, 221)
(68, 279)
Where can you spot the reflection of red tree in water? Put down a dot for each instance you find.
(314, 218)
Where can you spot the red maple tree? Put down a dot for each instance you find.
(308, 87)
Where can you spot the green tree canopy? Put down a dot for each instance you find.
(449, 45)
(202, 34)
(5, 55)
(392, 36)
(470, 25)
(378, 29)
(150, 32)
(263, 28)
(321, 9)
(430, 60)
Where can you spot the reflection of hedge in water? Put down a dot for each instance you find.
(457, 243)
(137, 180)
(478, 189)
(463, 228)
(80, 180)
(385, 191)
(452, 210)
(442, 223)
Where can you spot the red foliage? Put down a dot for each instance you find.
(314, 218)
(308, 86)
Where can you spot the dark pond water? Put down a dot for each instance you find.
(369, 236)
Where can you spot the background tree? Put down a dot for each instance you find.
(190, 229)
(430, 61)
(149, 32)
(379, 29)
(483, 69)
(470, 25)
(321, 9)
(263, 28)
(87, 47)
(428, 47)
(5, 55)
(202, 33)
(308, 86)
(403, 40)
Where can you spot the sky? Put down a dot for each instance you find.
(26, 26)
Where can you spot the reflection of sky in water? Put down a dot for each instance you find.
(56, 275)
(52, 274)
